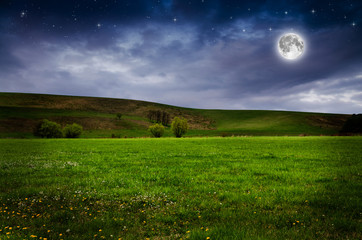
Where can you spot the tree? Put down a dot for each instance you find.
(119, 116)
(72, 130)
(48, 129)
(179, 126)
(353, 125)
(156, 116)
(157, 130)
(165, 118)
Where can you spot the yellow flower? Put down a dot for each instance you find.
(208, 238)
(33, 236)
(100, 230)
(60, 234)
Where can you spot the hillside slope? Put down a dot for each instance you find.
(20, 112)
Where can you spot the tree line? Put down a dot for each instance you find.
(157, 116)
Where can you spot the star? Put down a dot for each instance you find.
(286, 12)
(313, 11)
(353, 24)
(244, 30)
(175, 19)
(99, 25)
(270, 29)
(23, 14)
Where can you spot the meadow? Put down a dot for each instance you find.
(189, 188)
(21, 112)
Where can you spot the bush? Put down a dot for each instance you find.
(119, 116)
(48, 129)
(179, 126)
(353, 124)
(157, 130)
(72, 130)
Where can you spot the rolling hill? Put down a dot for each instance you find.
(20, 112)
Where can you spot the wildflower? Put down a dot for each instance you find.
(33, 236)
(60, 234)
(208, 238)
(100, 230)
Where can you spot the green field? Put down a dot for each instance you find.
(20, 113)
(190, 188)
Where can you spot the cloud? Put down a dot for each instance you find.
(189, 66)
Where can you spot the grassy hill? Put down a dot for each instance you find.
(20, 112)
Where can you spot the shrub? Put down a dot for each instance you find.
(179, 126)
(353, 124)
(119, 116)
(157, 130)
(48, 129)
(72, 130)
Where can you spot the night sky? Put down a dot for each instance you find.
(200, 53)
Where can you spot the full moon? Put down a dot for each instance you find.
(291, 46)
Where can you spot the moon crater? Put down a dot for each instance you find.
(291, 46)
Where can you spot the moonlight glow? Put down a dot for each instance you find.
(291, 46)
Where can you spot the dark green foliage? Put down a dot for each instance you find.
(353, 124)
(157, 130)
(179, 126)
(48, 129)
(119, 116)
(158, 116)
(72, 130)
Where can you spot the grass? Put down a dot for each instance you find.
(190, 188)
(20, 112)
